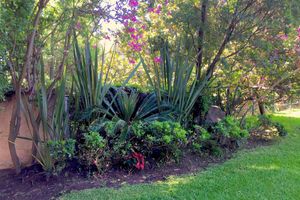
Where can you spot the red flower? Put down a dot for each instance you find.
(140, 165)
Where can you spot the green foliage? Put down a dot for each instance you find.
(61, 151)
(251, 123)
(280, 128)
(169, 136)
(266, 121)
(4, 86)
(230, 128)
(175, 83)
(200, 137)
(91, 85)
(91, 151)
(133, 107)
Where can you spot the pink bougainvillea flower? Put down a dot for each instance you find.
(132, 61)
(157, 60)
(158, 9)
(125, 24)
(133, 3)
(150, 9)
(134, 37)
(133, 18)
(131, 30)
(135, 46)
(125, 17)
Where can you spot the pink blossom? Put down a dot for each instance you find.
(132, 61)
(133, 18)
(158, 9)
(150, 9)
(134, 37)
(131, 30)
(94, 46)
(166, 2)
(133, 3)
(135, 46)
(125, 17)
(125, 24)
(157, 60)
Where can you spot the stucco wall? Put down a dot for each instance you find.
(23, 146)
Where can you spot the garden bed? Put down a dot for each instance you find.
(33, 184)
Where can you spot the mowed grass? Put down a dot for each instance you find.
(269, 172)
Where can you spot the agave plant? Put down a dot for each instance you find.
(174, 82)
(133, 107)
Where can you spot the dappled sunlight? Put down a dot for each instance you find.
(265, 167)
(289, 113)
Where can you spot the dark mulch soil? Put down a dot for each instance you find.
(32, 184)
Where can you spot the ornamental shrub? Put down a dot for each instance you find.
(61, 151)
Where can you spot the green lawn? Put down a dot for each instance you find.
(271, 172)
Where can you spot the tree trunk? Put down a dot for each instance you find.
(15, 124)
(261, 107)
(201, 38)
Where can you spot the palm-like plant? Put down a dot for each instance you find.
(133, 107)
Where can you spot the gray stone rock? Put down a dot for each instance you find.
(214, 115)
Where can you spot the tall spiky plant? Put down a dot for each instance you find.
(92, 83)
(174, 81)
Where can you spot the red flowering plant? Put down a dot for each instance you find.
(138, 160)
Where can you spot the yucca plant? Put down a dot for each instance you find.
(174, 81)
(92, 85)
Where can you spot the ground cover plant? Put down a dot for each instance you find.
(132, 87)
(238, 177)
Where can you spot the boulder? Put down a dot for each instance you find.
(214, 115)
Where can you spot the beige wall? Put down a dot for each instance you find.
(23, 146)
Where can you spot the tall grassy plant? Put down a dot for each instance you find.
(174, 81)
(91, 83)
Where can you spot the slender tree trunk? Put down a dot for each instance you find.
(15, 124)
(52, 58)
(201, 38)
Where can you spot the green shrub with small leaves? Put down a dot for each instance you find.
(168, 137)
(230, 128)
(229, 134)
(91, 151)
(60, 152)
